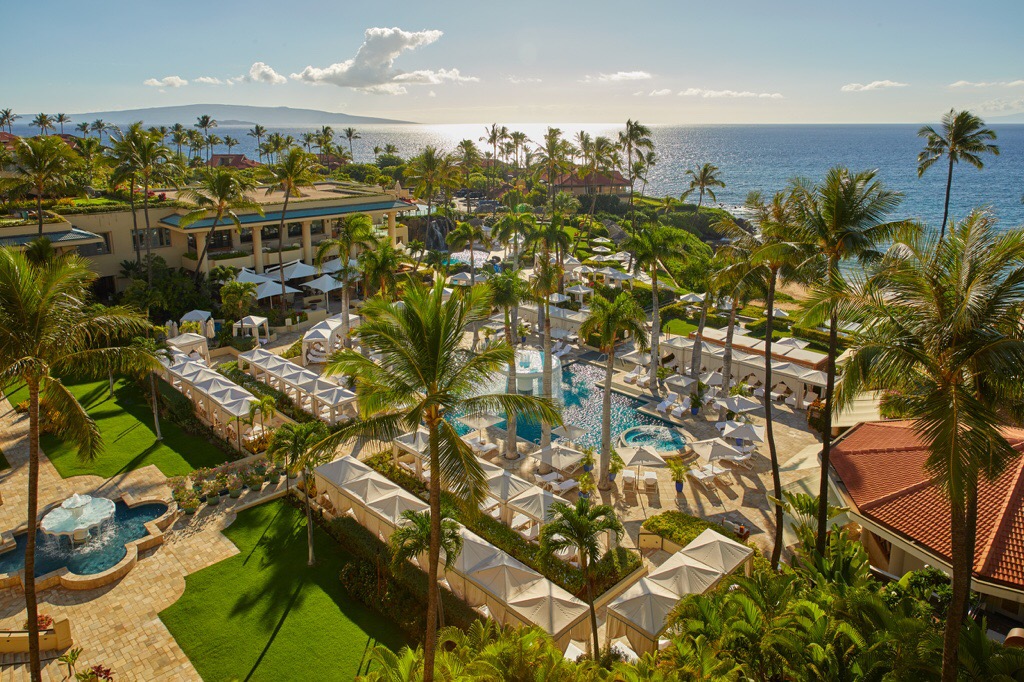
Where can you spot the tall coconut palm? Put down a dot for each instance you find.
(230, 142)
(962, 135)
(206, 123)
(426, 172)
(83, 128)
(943, 329)
(469, 160)
(295, 444)
(547, 279)
(212, 141)
(416, 248)
(510, 290)
(703, 180)
(61, 119)
(610, 321)
(649, 245)
(256, 132)
(90, 154)
(264, 406)
(99, 126)
(380, 269)
(842, 218)
(513, 228)
(634, 140)
(7, 119)
(354, 231)
(220, 193)
(44, 122)
(466, 236)
(581, 527)
(494, 136)
(412, 539)
(47, 331)
(308, 139)
(350, 135)
(151, 162)
(126, 170)
(554, 158)
(731, 275)
(42, 167)
(298, 169)
(156, 349)
(597, 160)
(425, 375)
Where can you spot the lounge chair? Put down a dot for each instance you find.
(680, 411)
(778, 396)
(628, 479)
(565, 486)
(650, 479)
(566, 349)
(668, 402)
(632, 376)
(548, 479)
(740, 460)
(758, 392)
(704, 476)
(644, 381)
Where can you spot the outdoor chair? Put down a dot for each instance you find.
(650, 479)
(632, 376)
(758, 392)
(628, 479)
(680, 411)
(668, 402)
(644, 381)
(740, 460)
(565, 486)
(704, 476)
(548, 479)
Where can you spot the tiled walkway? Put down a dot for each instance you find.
(116, 625)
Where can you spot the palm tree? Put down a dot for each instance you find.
(494, 136)
(236, 298)
(609, 321)
(44, 122)
(156, 349)
(390, 149)
(205, 123)
(426, 172)
(412, 539)
(514, 228)
(257, 132)
(415, 246)
(220, 192)
(350, 135)
(545, 282)
(40, 166)
(581, 526)
(298, 169)
(648, 246)
(380, 269)
(510, 290)
(325, 138)
(943, 327)
(636, 138)
(376, 152)
(230, 142)
(266, 407)
(47, 332)
(731, 275)
(464, 236)
(295, 444)
(597, 160)
(90, 151)
(151, 164)
(179, 138)
(7, 119)
(355, 230)
(123, 154)
(424, 376)
(841, 220)
(703, 180)
(554, 156)
(469, 161)
(962, 135)
(212, 140)
(98, 126)
(61, 119)
(308, 140)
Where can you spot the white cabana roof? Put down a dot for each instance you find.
(503, 576)
(475, 552)
(343, 471)
(718, 551)
(548, 606)
(268, 289)
(371, 487)
(684, 575)
(579, 289)
(391, 507)
(557, 298)
(507, 486)
(692, 298)
(248, 276)
(196, 316)
(536, 503)
(294, 270)
(188, 341)
(461, 279)
(252, 321)
(645, 606)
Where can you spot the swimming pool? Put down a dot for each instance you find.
(582, 407)
(661, 438)
(95, 556)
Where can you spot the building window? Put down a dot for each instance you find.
(158, 237)
(87, 250)
(294, 229)
(316, 227)
(270, 232)
(245, 234)
(221, 240)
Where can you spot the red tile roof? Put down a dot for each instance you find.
(232, 161)
(593, 180)
(881, 464)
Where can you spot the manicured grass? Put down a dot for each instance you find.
(680, 327)
(264, 615)
(129, 441)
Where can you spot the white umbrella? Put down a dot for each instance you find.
(680, 380)
(601, 249)
(268, 289)
(580, 290)
(172, 329)
(714, 449)
(585, 270)
(601, 240)
(738, 404)
(641, 457)
(569, 432)
(247, 276)
(480, 421)
(294, 270)
(557, 457)
(325, 284)
(637, 358)
(742, 432)
(711, 379)
(211, 330)
(608, 272)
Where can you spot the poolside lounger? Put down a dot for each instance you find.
(632, 376)
(778, 396)
(740, 460)
(565, 486)
(758, 392)
(650, 479)
(668, 402)
(683, 407)
(546, 479)
(644, 381)
(628, 479)
(705, 476)
(520, 521)
(566, 349)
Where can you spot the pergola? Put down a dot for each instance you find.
(219, 402)
(311, 392)
(250, 326)
(192, 345)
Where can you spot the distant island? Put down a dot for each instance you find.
(233, 114)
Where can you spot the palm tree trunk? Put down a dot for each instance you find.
(309, 518)
(590, 602)
(149, 237)
(826, 436)
(727, 357)
(655, 326)
(960, 591)
(769, 431)
(511, 441)
(206, 249)
(135, 220)
(39, 211)
(156, 406)
(606, 422)
(280, 247)
(345, 305)
(698, 341)
(31, 607)
(945, 207)
(433, 553)
(545, 433)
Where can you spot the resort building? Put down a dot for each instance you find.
(108, 238)
(878, 469)
(238, 161)
(595, 183)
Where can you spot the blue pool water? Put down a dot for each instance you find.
(582, 398)
(103, 550)
(658, 437)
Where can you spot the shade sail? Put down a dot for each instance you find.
(268, 289)
(196, 316)
(718, 551)
(249, 277)
(684, 575)
(325, 284)
(294, 270)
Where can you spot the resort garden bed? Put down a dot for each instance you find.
(282, 402)
(615, 566)
(264, 615)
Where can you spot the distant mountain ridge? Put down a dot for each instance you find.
(232, 114)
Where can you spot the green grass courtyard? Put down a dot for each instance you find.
(129, 441)
(264, 615)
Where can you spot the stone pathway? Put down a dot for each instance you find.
(117, 625)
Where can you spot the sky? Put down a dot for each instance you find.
(447, 61)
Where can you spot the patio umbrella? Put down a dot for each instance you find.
(680, 381)
(556, 457)
(246, 276)
(269, 289)
(601, 240)
(569, 432)
(211, 330)
(641, 457)
(294, 270)
(714, 449)
(712, 378)
(325, 284)
(480, 421)
(601, 249)
(777, 312)
(637, 358)
(692, 298)
(742, 432)
(738, 404)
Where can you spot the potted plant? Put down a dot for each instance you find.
(254, 480)
(586, 485)
(273, 476)
(700, 391)
(234, 484)
(524, 331)
(615, 466)
(588, 459)
(211, 491)
(189, 502)
(198, 478)
(664, 373)
(678, 473)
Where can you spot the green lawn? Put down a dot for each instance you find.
(264, 615)
(680, 327)
(129, 442)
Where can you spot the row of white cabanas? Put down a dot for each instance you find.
(486, 577)
(220, 402)
(313, 393)
(640, 614)
(325, 337)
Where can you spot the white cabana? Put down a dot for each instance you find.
(270, 289)
(293, 270)
(557, 298)
(790, 342)
(640, 613)
(600, 249)
(684, 575)
(692, 298)
(579, 290)
(218, 401)
(719, 552)
(199, 316)
(250, 326)
(310, 391)
(554, 610)
(461, 279)
(536, 503)
(192, 345)
(324, 337)
(600, 240)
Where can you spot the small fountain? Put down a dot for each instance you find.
(77, 516)
(530, 372)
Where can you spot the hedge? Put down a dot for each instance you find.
(683, 528)
(758, 327)
(282, 402)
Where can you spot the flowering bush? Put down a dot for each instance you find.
(43, 622)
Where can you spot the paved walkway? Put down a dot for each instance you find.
(116, 625)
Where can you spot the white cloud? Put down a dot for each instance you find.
(372, 69)
(728, 94)
(1002, 106)
(208, 80)
(165, 82)
(617, 77)
(431, 94)
(519, 80)
(661, 93)
(873, 85)
(262, 73)
(987, 84)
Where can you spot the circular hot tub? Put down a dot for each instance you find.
(660, 438)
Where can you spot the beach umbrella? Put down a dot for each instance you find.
(480, 421)
(569, 431)
(714, 449)
(692, 298)
(738, 404)
(637, 358)
(211, 330)
(742, 431)
(557, 457)
(778, 312)
(600, 240)
(680, 381)
(711, 379)
(325, 284)
(641, 457)
(271, 288)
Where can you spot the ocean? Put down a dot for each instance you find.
(758, 157)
